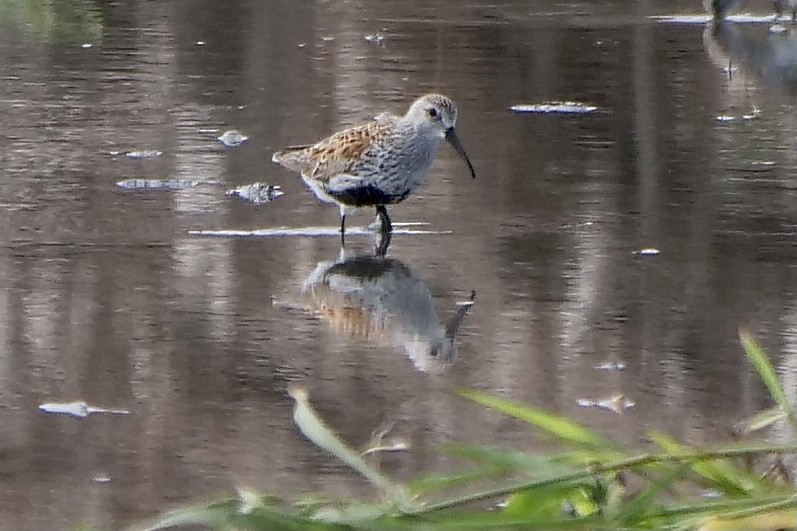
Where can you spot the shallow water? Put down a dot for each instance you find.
(117, 298)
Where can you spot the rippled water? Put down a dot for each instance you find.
(640, 235)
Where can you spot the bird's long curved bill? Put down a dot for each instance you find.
(453, 139)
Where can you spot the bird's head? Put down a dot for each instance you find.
(438, 115)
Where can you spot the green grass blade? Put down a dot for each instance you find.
(555, 500)
(443, 482)
(319, 433)
(514, 461)
(565, 429)
(702, 507)
(760, 421)
(264, 520)
(214, 515)
(776, 516)
(720, 473)
(644, 503)
(766, 371)
(483, 520)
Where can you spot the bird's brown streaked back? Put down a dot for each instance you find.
(333, 155)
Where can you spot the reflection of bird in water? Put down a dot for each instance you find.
(757, 54)
(720, 8)
(786, 5)
(380, 162)
(382, 300)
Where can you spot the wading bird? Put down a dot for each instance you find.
(377, 163)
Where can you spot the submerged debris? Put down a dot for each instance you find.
(647, 251)
(379, 443)
(682, 19)
(610, 366)
(78, 409)
(145, 154)
(778, 29)
(702, 19)
(378, 37)
(397, 445)
(616, 403)
(753, 115)
(157, 184)
(233, 138)
(562, 107)
(257, 192)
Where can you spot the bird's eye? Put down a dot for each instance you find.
(432, 112)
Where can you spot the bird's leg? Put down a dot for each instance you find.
(778, 10)
(386, 227)
(382, 243)
(717, 9)
(342, 227)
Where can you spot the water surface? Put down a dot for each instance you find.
(113, 297)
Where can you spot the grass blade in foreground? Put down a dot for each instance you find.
(763, 366)
(760, 421)
(583, 488)
(322, 436)
(566, 430)
(718, 474)
(778, 516)
(213, 515)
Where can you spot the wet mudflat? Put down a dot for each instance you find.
(150, 332)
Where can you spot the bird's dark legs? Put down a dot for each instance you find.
(717, 9)
(382, 243)
(381, 212)
(342, 228)
(385, 230)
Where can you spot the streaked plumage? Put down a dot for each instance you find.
(379, 162)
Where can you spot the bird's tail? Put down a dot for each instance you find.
(292, 157)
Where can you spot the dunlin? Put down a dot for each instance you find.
(377, 163)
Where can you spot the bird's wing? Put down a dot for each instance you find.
(336, 154)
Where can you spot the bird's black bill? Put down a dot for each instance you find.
(453, 139)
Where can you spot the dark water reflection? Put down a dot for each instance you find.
(382, 300)
(107, 297)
